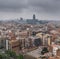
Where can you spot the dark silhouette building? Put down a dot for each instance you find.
(32, 21)
(34, 17)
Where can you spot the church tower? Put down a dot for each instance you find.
(34, 17)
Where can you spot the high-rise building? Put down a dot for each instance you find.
(34, 17)
(21, 18)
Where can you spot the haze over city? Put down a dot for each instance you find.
(44, 9)
(29, 29)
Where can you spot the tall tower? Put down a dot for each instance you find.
(21, 18)
(34, 17)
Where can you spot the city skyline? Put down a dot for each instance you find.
(44, 9)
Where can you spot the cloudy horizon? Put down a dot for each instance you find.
(44, 9)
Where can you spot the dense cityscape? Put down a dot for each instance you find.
(29, 29)
(29, 39)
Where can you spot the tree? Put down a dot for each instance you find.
(20, 56)
(4, 56)
(11, 54)
(0, 56)
(44, 50)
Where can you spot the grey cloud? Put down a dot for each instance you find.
(9, 5)
(45, 5)
(31, 5)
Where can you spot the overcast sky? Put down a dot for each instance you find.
(44, 9)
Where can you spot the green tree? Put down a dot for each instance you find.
(44, 50)
(0, 56)
(4, 56)
(20, 56)
(11, 54)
